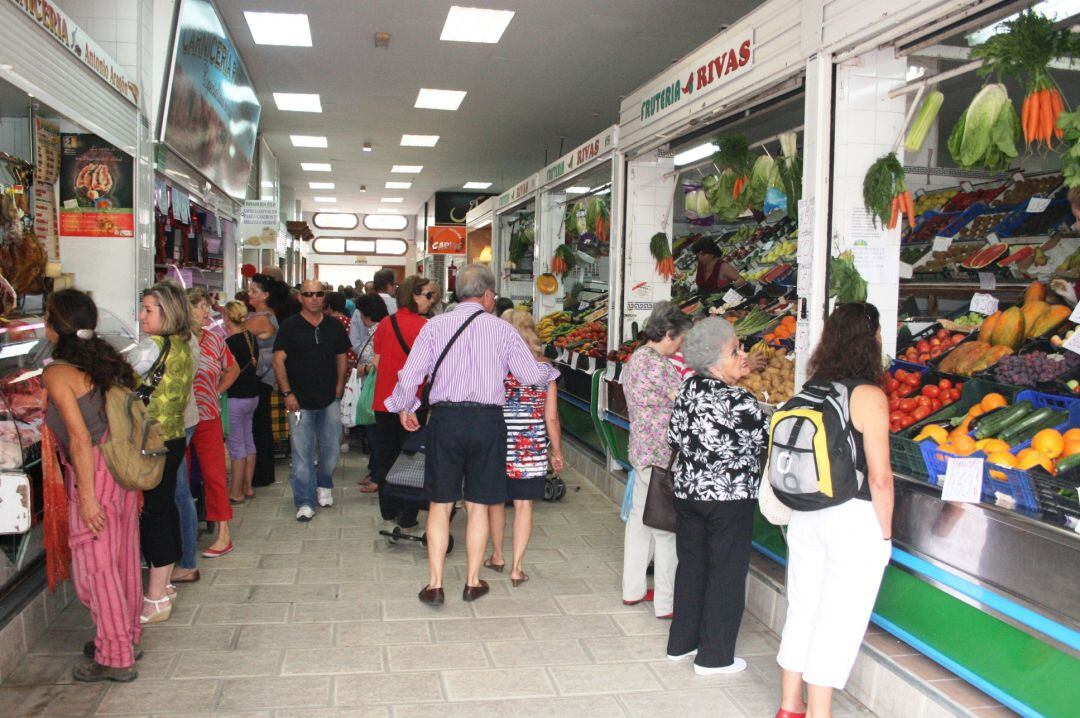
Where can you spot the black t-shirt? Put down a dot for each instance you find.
(246, 385)
(311, 358)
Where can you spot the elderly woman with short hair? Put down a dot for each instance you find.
(650, 382)
(718, 434)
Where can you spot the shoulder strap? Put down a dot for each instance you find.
(401, 340)
(439, 361)
(157, 371)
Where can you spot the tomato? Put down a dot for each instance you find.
(944, 384)
(922, 346)
(954, 394)
(931, 391)
(908, 405)
(893, 427)
(942, 333)
(945, 400)
(958, 386)
(906, 390)
(922, 400)
(935, 342)
(935, 352)
(907, 421)
(921, 413)
(899, 374)
(891, 384)
(923, 358)
(894, 403)
(957, 338)
(912, 379)
(935, 404)
(896, 417)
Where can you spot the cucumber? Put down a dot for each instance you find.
(996, 422)
(1069, 462)
(1035, 418)
(993, 422)
(1051, 422)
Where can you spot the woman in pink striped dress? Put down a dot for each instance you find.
(103, 518)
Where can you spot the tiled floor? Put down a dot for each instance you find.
(321, 619)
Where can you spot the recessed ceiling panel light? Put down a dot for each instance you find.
(267, 183)
(407, 169)
(279, 28)
(439, 99)
(475, 24)
(308, 141)
(577, 190)
(694, 154)
(321, 185)
(419, 140)
(328, 200)
(391, 200)
(476, 185)
(366, 147)
(398, 185)
(297, 102)
(315, 166)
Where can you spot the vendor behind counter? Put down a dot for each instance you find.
(713, 273)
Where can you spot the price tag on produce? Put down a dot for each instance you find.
(987, 281)
(731, 297)
(1073, 343)
(1075, 316)
(1037, 205)
(942, 244)
(963, 480)
(907, 271)
(985, 304)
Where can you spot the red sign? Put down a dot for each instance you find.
(446, 240)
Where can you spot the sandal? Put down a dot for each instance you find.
(368, 487)
(159, 614)
(494, 566)
(515, 582)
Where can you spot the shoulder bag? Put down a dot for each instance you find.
(659, 510)
(401, 340)
(154, 376)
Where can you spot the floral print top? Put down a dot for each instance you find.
(650, 383)
(718, 432)
(526, 430)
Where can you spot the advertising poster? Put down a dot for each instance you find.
(212, 113)
(451, 207)
(446, 240)
(96, 191)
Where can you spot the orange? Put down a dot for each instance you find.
(992, 446)
(1072, 435)
(1049, 442)
(1028, 458)
(1072, 446)
(963, 444)
(993, 401)
(975, 410)
(1002, 458)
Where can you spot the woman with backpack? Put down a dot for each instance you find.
(103, 517)
(717, 433)
(837, 554)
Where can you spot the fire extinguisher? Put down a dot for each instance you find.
(451, 278)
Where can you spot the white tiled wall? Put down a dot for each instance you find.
(650, 198)
(112, 24)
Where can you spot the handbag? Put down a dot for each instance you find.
(156, 373)
(349, 399)
(225, 415)
(365, 414)
(775, 512)
(659, 510)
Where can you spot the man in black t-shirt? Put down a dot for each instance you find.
(309, 363)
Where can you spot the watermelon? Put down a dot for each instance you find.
(1018, 256)
(986, 257)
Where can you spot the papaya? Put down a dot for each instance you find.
(1036, 292)
(987, 327)
(961, 356)
(1050, 319)
(1032, 311)
(1009, 330)
(988, 359)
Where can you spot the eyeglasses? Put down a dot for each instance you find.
(309, 295)
(430, 295)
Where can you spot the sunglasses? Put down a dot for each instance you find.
(430, 295)
(312, 294)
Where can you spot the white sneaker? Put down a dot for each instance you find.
(305, 513)
(684, 656)
(326, 496)
(737, 666)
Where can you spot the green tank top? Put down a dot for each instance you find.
(170, 398)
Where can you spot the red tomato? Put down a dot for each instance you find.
(922, 346)
(954, 393)
(908, 405)
(899, 374)
(944, 384)
(921, 413)
(891, 384)
(935, 342)
(912, 379)
(935, 404)
(893, 427)
(894, 403)
(922, 400)
(945, 399)
(958, 386)
(925, 357)
(942, 333)
(935, 352)
(931, 391)
(907, 421)
(906, 390)
(896, 417)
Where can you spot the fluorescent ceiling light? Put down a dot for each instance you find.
(393, 199)
(279, 28)
(321, 185)
(407, 169)
(315, 166)
(476, 185)
(419, 140)
(694, 154)
(398, 185)
(307, 141)
(329, 200)
(297, 102)
(475, 24)
(267, 183)
(577, 190)
(439, 99)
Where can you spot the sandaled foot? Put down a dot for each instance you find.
(516, 581)
(155, 610)
(490, 563)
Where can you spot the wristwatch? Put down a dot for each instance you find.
(286, 393)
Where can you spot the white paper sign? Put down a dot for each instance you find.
(985, 304)
(987, 281)
(1037, 205)
(942, 244)
(1073, 343)
(733, 297)
(1075, 316)
(963, 481)
(907, 271)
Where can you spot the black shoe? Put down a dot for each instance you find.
(432, 596)
(89, 650)
(93, 672)
(471, 593)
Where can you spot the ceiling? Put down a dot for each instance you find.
(554, 80)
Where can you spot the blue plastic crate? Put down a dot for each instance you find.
(996, 479)
(1040, 400)
(907, 366)
(1016, 219)
(964, 219)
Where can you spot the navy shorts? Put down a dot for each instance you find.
(465, 454)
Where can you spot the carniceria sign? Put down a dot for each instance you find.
(598, 145)
(733, 56)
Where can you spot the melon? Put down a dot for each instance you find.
(986, 257)
(1018, 256)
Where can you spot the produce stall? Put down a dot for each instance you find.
(514, 240)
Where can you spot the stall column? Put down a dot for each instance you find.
(650, 200)
(549, 235)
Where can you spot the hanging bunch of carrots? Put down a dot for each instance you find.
(740, 185)
(660, 249)
(733, 152)
(885, 192)
(563, 260)
(1040, 112)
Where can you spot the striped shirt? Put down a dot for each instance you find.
(214, 356)
(476, 365)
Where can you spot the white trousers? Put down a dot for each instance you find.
(836, 558)
(643, 544)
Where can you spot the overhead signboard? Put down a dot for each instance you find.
(446, 240)
(453, 207)
(583, 154)
(212, 113)
(518, 191)
(260, 212)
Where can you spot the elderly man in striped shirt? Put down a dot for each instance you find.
(465, 452)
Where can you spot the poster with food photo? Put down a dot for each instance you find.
(96, 192)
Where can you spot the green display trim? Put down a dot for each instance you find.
(1031, 676)
(578, 422)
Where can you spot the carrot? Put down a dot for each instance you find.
(1025, 119)
(1057, 105)
(1047, 118)
(895, 209)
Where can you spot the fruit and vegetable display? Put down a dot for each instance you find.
(775, 383)
(925, 350)
(589, 339)
(911, 401)
(1029, 370)
(885, 192)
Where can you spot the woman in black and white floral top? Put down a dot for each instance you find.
(718, 434)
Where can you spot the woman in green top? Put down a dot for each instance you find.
(163, 359)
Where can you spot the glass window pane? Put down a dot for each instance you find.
(391, 222)
(361, 246)
(335, 220)
(329, 245)
(395, 247)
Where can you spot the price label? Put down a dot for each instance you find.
(1073, 343)
(985, 304)
(1038, 205)
(1075, 316)
(987, 281)
(942, 244)
(963, 481)
(733, 297)
(907, 271)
